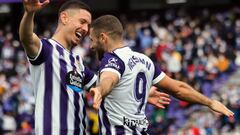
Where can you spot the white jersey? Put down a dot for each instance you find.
(58, 78)
(123, 110)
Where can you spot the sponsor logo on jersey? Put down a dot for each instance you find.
(74, 80)
(112, 62)
(143, 123)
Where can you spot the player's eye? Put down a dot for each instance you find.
(82, 21)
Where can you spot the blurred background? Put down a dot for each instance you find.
(195, 41)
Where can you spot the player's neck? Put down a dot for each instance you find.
(60, 39)
(115, 46)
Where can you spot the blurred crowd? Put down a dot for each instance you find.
(200, 47)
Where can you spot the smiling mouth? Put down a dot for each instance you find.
(79, 35)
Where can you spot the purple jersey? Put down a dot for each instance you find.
(58, 78)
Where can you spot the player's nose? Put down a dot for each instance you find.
(85, 28)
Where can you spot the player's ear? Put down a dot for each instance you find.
(63, 17)
(103, 37)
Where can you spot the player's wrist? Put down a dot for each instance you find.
(29, 13)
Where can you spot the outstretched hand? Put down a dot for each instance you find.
(34, 5)
(97, 97)
(219, 107)
(158, 99)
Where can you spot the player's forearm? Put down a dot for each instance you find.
(26, 28)
(105, 86)
(187, 93)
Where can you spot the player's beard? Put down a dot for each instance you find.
(99, 51)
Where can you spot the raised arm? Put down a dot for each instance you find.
(185, 92)
(30, 40)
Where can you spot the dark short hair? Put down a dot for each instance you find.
(74, 4)
(109, 24)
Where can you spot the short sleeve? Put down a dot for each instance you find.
(158, 75)
(111, 62)
(44, 52)
(90, 78)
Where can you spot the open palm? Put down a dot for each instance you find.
(34, 5)
(97, 97)
(158, 99)
(219, 107)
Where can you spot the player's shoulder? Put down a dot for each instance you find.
(141, 55)
(110, 56)
(110, 62)
(47, 42)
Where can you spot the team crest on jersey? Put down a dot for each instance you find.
(74, 80)
(112, 62)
